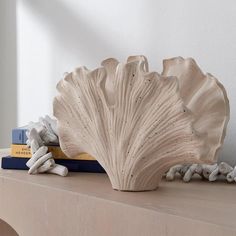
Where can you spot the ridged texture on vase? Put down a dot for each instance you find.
(132, 121)
(205, 96)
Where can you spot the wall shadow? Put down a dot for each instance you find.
(8, 69)
(72, 31)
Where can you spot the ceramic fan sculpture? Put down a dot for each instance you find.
(137, 123)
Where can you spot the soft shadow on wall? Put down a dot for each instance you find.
(70, 40)
(8, 70)
(74, 33)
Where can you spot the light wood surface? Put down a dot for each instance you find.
(85, 204)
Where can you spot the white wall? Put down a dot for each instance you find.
(8, 82)
(55, 36)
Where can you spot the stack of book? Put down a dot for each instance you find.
(20, 154)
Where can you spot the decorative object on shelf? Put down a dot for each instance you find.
(38, 135)
(137, 123)
(205, 97)
(209, 172)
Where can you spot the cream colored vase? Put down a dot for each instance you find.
(137, 123)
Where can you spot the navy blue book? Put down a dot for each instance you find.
(72, 165)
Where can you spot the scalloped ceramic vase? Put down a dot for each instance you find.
(137, 123)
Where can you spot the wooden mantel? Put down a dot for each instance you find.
(85, 204)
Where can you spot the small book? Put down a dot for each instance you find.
(93, 166)
(19, 135)
(23, 151)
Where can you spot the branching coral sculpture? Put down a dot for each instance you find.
(209, 172)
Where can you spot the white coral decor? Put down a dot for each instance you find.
(134, 122)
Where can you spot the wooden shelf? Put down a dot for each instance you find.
(85, 204)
